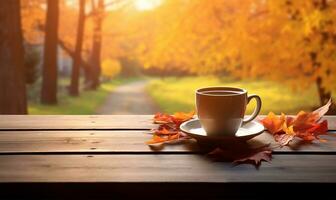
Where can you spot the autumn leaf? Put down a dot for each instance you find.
(182, 117)
(166, 139)
(283, 139)
(165, 131)
(305, 125)
(313, 133)
(160, 118)
(242, 153)
(273, 123)
(169, 128)
(156, 139)
(320, 112)
(256, 157)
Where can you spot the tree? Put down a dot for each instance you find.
(49, 75)
(292, 42)
(12, 81)
(93, 73)
(74, 87)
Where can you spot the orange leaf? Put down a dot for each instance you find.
(304, 121)
(273, 123)
(165, 131)
(174, 137)
(305, 125)
(169, 128)
(156, 139)
(161, 140)
(160, 118)
(181, 116)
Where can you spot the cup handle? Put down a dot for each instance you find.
(256, 110)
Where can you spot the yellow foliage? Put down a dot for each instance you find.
(288, 41)
(248, 38)
(110, 68)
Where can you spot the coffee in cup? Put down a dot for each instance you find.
(221, 110)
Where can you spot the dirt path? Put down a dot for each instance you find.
(129, 99)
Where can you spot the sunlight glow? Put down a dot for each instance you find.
(143, 5)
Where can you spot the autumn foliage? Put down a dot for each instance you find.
(305, 125)
(169, 127)
(292, 42)
(288, 41)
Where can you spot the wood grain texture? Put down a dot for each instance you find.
(82, 141)
(163, 169)
(127, 142)
(88, 122)
(75, 122)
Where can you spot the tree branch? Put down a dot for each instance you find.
(71, 53)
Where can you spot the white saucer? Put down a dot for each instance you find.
(194, 129)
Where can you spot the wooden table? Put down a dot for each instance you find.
(106, 156)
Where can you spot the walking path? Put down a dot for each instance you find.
(129, 99)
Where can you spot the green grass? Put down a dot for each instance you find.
(86, 103)
(178, 94)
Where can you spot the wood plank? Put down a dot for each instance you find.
(75, 122)
(126, 142)
(163, 169)
(88, 122)
(81, 141)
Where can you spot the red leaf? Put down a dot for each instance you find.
(313, 133)
(319, 129)
(304, 121)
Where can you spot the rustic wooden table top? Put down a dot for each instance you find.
(106, 155)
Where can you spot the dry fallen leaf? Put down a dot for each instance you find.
(169, 127)
(305, 125)
(274, 123)
(242, 153)
(160, 118)
(322, 110)
(180, 117)
(256, 157)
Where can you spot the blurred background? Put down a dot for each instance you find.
(147, 56)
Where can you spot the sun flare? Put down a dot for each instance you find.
(143, 5)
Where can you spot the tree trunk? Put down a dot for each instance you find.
(323, 94)
(49, 75)
(12, 82)
(74, 86)
(95, 62)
